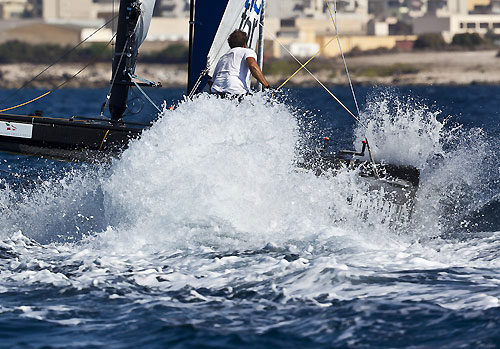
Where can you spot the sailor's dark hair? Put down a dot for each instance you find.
(238, 38)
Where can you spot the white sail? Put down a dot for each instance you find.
(147, 7)
(239, 14)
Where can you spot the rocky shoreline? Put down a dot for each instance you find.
(423, 68)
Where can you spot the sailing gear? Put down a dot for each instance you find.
(232, 72)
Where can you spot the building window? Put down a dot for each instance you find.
(471, 25)
(294, 34)
(288, 22)
(462, 25)
(496, 25)
(484, 25)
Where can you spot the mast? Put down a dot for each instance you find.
(191, 41)
(124, 58)
(260, 58)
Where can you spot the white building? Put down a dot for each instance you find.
(284, 9)
(450, 17)
(451, 24)
(67, 9)
(10, 9)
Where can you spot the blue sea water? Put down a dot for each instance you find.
(204, 234)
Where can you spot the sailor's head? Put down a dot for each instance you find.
(238, 38)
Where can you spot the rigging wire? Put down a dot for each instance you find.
(132, 78)
(198, 82)
(372, 160)
(60, 85)
(334, 20)
(315, 78)
(57, 61)
(306, 63)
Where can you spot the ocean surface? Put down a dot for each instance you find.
(205, 235)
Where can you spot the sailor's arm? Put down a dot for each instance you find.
(256, 72)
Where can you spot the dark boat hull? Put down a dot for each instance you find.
(391, 188)
(66, 139)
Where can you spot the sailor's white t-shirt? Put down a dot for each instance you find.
(231, 72)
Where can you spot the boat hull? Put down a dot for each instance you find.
(391, 189)
(66, 139)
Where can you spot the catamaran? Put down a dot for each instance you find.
(210, 24)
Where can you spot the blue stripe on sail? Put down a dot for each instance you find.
(254, 5)
(208, 15)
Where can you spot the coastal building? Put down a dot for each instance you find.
(169, 29)
(362, 43)
(61, 22)
(284, 9)
(172, 8)
(381, 9)
(393, 17)
(441, 8)
(300, 26)
(449, 25)
(67, 9)
(328, 48)
(12, 9)
(33, 9)
(452, 17)
(37, 31)
(495, 6)
(105, 9)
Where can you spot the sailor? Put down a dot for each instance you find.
(231, 72)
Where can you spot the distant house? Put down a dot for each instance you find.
(449, 25)
(67, 9)
(40, 32)
(10, 9)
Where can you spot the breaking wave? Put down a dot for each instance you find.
(206, 217)
(222, 173)
(205, 232)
